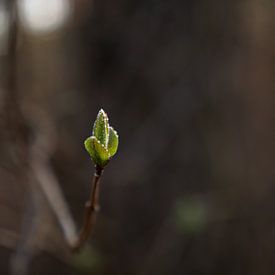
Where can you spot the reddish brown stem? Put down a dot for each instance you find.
(91, 209)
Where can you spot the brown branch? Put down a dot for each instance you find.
(91, 209)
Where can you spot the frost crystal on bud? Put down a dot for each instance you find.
(103, 143)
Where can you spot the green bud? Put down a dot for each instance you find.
(113, 141)
(97, 151)
(103, 144)
(101, 128)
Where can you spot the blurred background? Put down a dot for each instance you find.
(189, 86)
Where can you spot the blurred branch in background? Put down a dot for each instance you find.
(42, 195)
(190, 86)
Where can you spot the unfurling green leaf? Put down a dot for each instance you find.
(113, 141)
(103, 144)
(101, 128)
(98, 153)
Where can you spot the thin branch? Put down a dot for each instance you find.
(40, 152)
(91, 209)
(50, 187)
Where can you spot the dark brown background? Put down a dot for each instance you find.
(189, 86)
